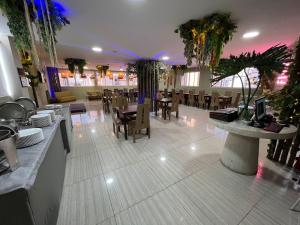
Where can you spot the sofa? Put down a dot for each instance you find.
(65, 96)
(93, 95)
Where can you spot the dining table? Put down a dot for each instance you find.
(124, 115)
(164, 105)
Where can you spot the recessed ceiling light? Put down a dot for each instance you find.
(85, 67)
(165, 58)
(250, 34)
(97, 49)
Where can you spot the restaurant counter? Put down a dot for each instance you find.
(31, 194)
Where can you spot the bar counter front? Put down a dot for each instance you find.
(31, 194)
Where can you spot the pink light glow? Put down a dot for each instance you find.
(260, 169)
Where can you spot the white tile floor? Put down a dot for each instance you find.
(173, 178)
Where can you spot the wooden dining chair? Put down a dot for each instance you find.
(191, 100)
(131, 96)
(181, 96)
(105, 102)
(201, 100)
(116, 121)
(122, 102)
(174, 107)
(229, 100)
(215, 102)
(228, 93)
(114, 102)
(173, 93)
(142, 121)
(166, 93)
(236, 100)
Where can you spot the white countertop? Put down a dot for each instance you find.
(242, 128)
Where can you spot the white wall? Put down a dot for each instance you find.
(204, 83)
(9, 78)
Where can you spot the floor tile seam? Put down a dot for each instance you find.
(130, 164)
(165, 188)
(109, 218)
(108, 194)
(83, 180)
(254, 206)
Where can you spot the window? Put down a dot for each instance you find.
(190, 79)
(235, 81)
(90, 77)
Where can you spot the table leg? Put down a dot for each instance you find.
(208, 104)
(240, 154)
(125, 130)
(165, 111)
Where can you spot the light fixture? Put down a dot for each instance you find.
(250, 34)
(85, 67)
(97, 49)
(93, 131)
(109, 180)
(165, 58)
(121, 69)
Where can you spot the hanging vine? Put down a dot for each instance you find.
(102, 70)
(204, 39)
(75, 63)
(47, 17)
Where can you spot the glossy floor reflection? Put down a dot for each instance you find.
(175, 177)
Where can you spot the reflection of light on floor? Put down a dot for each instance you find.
(80, 135)
(93, 116)
(109, 180)
(162, 158)
(260, 169)
(193, 148)
(191, 123)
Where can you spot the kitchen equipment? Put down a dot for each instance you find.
(41, 120)
(50, 112)
(8, 153)
(29, 137)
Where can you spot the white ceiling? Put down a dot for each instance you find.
(127, 30)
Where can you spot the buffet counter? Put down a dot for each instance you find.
(31, 194)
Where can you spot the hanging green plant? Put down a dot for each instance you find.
(179, 68)
(204, 39)
(74, 63)
(131, 69)
(268, 62)
(15, 13)
(105, 68)
(287, 100)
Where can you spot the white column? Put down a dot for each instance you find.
(240, 154)
(9, 77)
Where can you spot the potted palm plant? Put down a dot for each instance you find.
(272, 60)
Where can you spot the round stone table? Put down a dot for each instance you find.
(241, 148)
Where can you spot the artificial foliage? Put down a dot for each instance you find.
(148, 74)
(178, 68)
(15, 12)
(287, 100)
(102, 69)
(204, 39)
(74, 63)
(272, 60)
